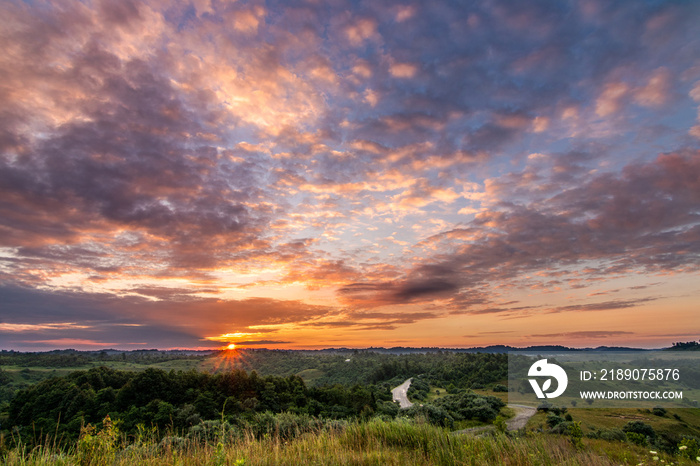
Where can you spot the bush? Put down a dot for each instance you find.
(637, 439)
(98, 447)
(689, 447)
(388, 408)
(658, 411)
(561, 427)
(418, 390)
(471, 406)
(574, 431)
(638, 427)
(613, 435)
(435, 415)
(554, 419)
(500, 424)
(545, 406)
(571, 429)
(500, 388)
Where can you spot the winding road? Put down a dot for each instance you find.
(400, 394)
(522, 412)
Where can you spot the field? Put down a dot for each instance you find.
(372, 443)
(339, 414)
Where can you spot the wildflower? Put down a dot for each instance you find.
(683, 447)
(656, 458)
(653, 452)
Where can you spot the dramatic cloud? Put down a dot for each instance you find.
(189, 174)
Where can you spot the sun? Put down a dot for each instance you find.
(227, 358)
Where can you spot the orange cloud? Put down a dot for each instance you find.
(9, 327)
(403, 70)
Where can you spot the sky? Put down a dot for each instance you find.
(311, 174)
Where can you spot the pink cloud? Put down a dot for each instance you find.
(657, 90)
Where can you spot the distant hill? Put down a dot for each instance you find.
(481, 349)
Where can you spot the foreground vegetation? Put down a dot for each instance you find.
(372, 442)
(318, 408)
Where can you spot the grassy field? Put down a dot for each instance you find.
(687, 421)
(436, 393)
(32, 374)
(310, 376)
(371, 443)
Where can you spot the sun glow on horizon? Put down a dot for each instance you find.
(228, 358)
(227, 336)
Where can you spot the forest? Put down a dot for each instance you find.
(350, 387)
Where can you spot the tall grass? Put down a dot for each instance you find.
(374, 442)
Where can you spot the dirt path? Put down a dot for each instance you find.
(522, 415)
(400, 394)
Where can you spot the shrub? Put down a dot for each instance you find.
(388, 408)
(500, 424)
(689, 447)
(97, 447)
(545, 406)
(435, 415)
(574, 431)
(638, 427)
(637, 439)
(613, 435)
(561, 427)
(554, 419)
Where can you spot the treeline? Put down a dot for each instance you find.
(177, 401)
(74, 358)
(344, 367)
(50, 359)
(686, 345)
(449, 370)
(442, 368)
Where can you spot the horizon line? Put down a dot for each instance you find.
(365, 348)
